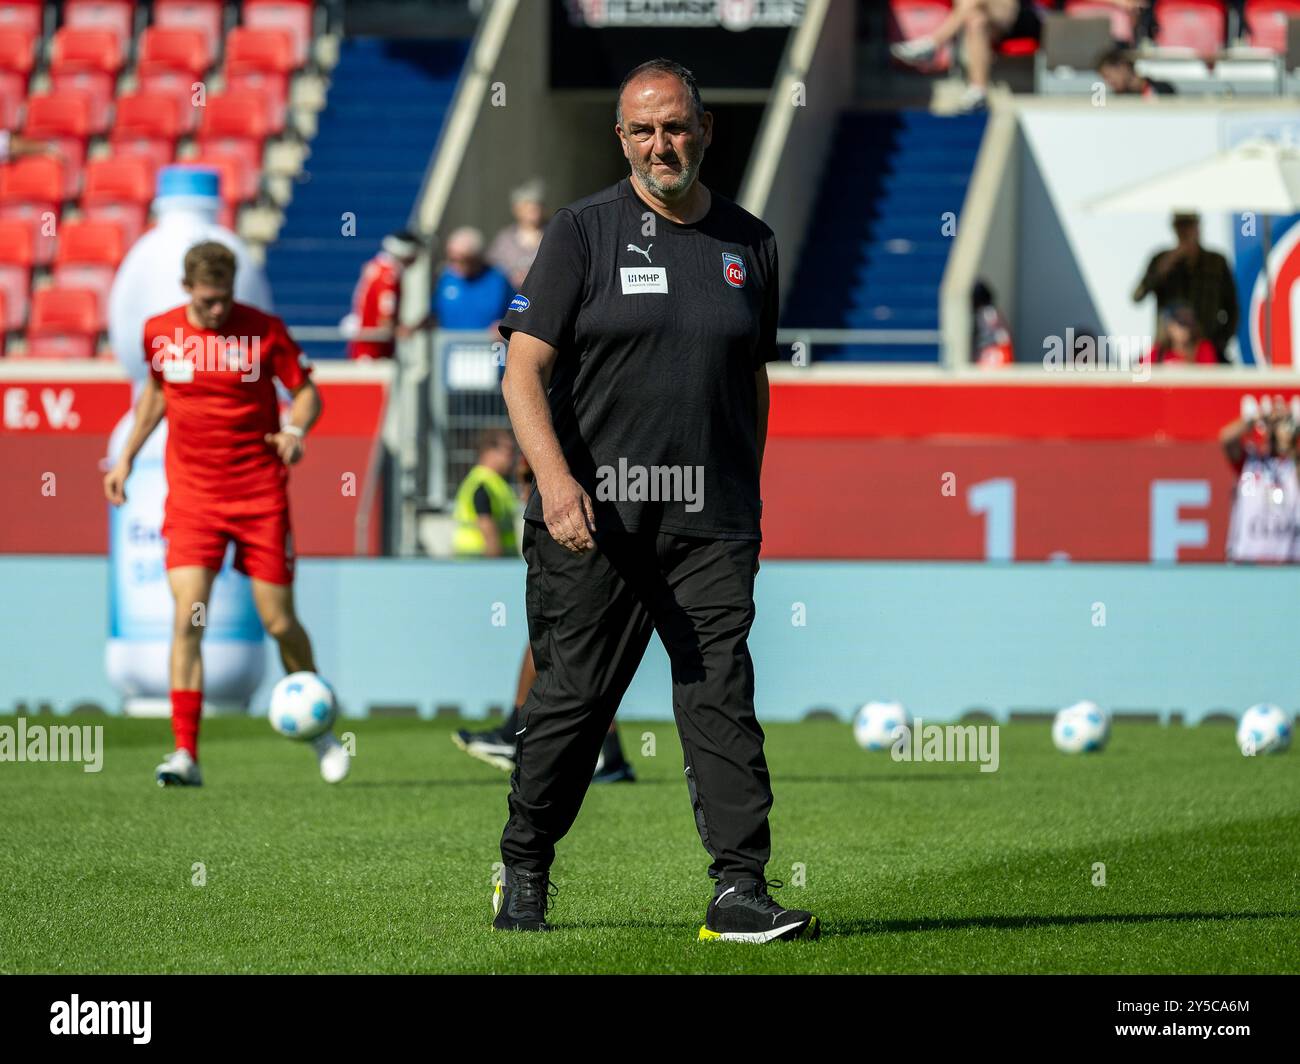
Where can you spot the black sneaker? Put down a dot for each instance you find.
(742, 911)
(520, 901)
(492, 747)
(617, 772)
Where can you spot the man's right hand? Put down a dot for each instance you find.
(115, 482)
(569, 516)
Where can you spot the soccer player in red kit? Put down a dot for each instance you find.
(378, 295)
(212, 367)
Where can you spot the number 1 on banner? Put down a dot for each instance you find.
(996, 500)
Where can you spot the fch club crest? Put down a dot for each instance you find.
(733, 270)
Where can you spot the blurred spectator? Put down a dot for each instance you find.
(13, 146)
(1188, 273)
(983, 23)
(469, 293)
(486, 514)
(1180, 339)
(377, 298)
(1261, 449)
(991, 343)
(486, 504)
(1121, 77)
(513, 249)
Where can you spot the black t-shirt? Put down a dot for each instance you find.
(659, 329)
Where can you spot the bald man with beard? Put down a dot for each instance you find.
(636, 382)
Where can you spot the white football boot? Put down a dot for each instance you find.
(335, 761)
(178, 769)
(917, 50)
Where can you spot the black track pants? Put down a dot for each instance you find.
(589, 620)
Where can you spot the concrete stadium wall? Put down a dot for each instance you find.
(815, 84)
(945, 639)
(987, 237)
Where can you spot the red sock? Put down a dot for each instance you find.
(187, 706)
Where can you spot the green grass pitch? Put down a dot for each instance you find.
(912, 867)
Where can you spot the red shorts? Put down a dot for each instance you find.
(263, 543)
(372, 349)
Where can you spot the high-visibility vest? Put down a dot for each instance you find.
(468, 541)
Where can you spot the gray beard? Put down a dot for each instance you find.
(668, 193)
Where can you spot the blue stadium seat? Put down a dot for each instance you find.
(875, 250)
(386, 106)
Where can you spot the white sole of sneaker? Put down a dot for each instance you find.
(793, 931)
(503, 763)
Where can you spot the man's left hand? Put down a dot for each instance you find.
(288, 446)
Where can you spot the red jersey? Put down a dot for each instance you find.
(1167, 356)
(221, 403)
(374, 302)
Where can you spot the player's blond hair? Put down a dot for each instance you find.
(210, 263)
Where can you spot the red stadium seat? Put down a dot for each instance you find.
(75, 49)
(86, 243)
(113, 15)
(293, 17)
(128, 179)
(88, 257)
(241, 114)
(1200, 25)
(269, 51)
(64, 323)
(202, 15)
(183, 50)
(148, 114)
(88, 278)
(13, 97)
(1266, 22)
(41, 221)
(17, 243)
(259, 62)
(1121, 22)
(33, 179)
(17, 50)
(63, 120)
(17, 256)
(157, 153)
(148, 124)
(178, 85)
(65, 114)
(98, 87)
(23, 14)
(273, 90)
(240, 178)
(915, 18)
(129, 217)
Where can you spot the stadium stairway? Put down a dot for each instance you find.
(386, 106)
(876, 248)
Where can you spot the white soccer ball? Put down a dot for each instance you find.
(1264, 729)
(302, 706)
(1080, 728)
(875, 725)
